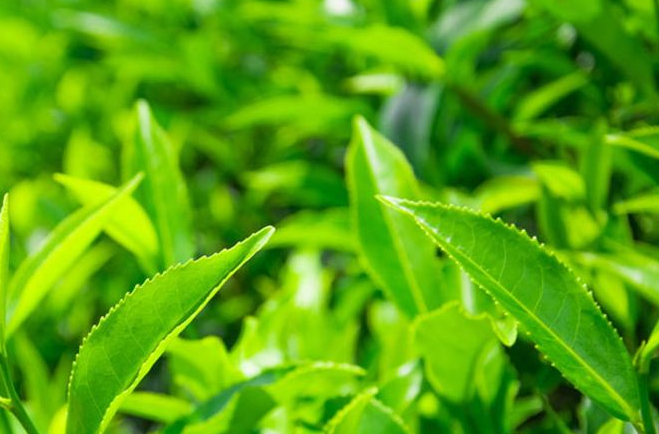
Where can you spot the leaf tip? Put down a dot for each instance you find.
(360, 123)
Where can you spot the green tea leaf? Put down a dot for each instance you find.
(390, 45)
(638, 270)
(4, 267)
(38, 273)
(399, 258)
(542, 294)
(327, 229)
(154, 406)
(649, 349)
(402, 390)
(643, 140)
(163, 193)
(316, 379)
(366, 414)
(130, 226)
(201, 367)
(126, 343)
(595, 167)
(225, 404)
(561, 180)
(451, 358)
(504, 192)
(642, 203)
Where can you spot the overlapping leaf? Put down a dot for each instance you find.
(542, 294)
(163, 193)
(37, 274)
(131, 227)
(399, 258)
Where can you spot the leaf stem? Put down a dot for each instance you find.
(13, 402)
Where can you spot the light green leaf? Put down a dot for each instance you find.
(638, 270)
(390, 45)
(68, 241)
(613, 426)
(217, 413)
(327, 229)
(201, 367)
(505, 192)
(315, 380)
(642, 140)
(155, 407)
(366, 414)
(163, 194)
(130, 226)
(642, 203)
(91, 262)
(561, 180)
(126, 343)
(452, 358)
(403, 388)
(397, 255)
(4, 267)
(307, 113)
(542, 294)
(649, 349)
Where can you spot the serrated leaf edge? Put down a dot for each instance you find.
(268, 231)
(395, 203)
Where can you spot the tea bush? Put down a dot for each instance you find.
(454, 211)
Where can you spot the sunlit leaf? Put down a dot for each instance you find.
(109, 366)
(365, 414)
(38, 273)
(163, 193)
(398, 256)
(542, 294)
(130, 226)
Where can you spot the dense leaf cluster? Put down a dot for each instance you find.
(465, 196)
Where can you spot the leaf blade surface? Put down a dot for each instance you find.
(126, 343)
(39, 272)
(542, 294)
(398, 257)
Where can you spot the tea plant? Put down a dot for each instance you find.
(464, 195)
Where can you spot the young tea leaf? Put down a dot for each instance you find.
(126, 343)
(542, 294)
(399, 258)
(154, 406)
(38, 273)
(130, 226)
(366, 414)
(4, 266)
(452, 358)
(163, 194)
